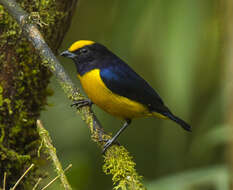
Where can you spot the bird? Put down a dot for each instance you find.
(115, 87)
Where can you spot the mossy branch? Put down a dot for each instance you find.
(117, 160)
(50, 149)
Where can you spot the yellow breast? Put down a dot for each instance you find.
(112, 103)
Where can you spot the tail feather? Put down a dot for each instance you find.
(182, 123)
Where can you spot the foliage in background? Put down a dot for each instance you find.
(176, 46)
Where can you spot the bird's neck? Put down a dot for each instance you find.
(85, 67)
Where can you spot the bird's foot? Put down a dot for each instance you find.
(81, 103)
(113, 140)
(109, 143)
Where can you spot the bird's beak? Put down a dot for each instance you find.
(68, 54)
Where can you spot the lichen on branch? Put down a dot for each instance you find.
(23, 86)
(117, 160)
(119, 164)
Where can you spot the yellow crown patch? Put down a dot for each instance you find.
(79, 44)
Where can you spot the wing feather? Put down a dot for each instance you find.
(122, 80)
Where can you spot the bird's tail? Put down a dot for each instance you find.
(182, 123)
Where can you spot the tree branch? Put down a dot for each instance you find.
(50, 149)
(50, 61)
(117, 159)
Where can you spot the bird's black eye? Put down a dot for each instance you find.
(84, 50)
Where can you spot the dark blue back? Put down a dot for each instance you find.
(122, 80)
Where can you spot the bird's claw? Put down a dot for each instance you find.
(81, 103)
(109, 143)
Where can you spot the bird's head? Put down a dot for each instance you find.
(87, 55)
(78, 49)
(84, 51)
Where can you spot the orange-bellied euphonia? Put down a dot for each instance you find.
(116, 88)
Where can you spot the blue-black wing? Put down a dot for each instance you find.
(122, 80)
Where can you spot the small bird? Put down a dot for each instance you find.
(116, 88)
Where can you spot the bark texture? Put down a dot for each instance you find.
(23, 85)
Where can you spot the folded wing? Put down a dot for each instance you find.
(122, 80)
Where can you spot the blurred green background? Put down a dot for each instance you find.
(176, 46)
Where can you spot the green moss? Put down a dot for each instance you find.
(2, 135)
(23, 87)
(119, 164)
(1, 96)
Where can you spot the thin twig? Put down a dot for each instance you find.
(50, 149)
(51, 182)
(20, 179)
(50, 61)
(4, 181)
(37, 183)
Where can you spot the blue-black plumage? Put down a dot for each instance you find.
(111, 84)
